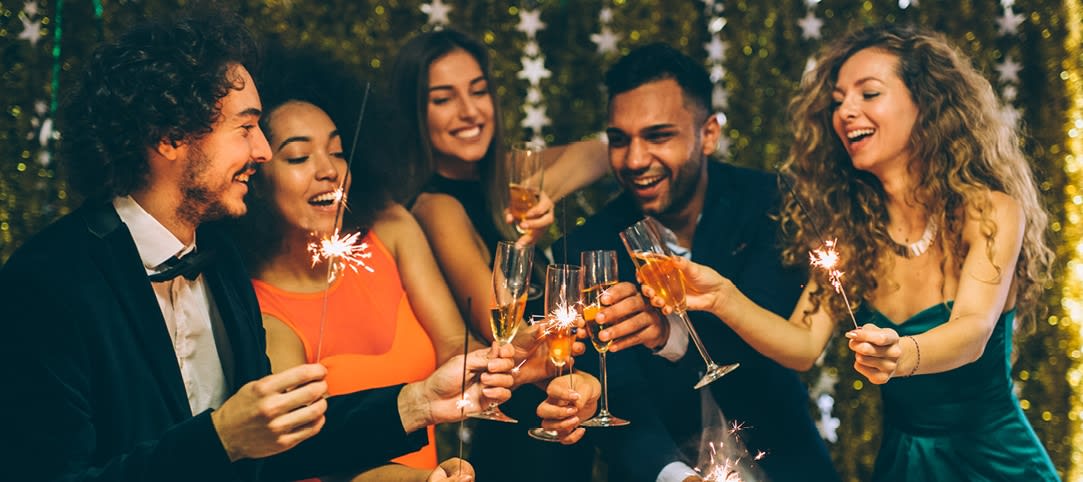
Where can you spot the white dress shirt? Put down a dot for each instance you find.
(187, 306)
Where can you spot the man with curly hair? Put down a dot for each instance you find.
(132, 355)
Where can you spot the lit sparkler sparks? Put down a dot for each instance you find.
(827, 259)
(342, 251)
(563, 317)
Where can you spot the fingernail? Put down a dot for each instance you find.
(851, 334)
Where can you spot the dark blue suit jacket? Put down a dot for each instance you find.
(92, 389)
(736, 237)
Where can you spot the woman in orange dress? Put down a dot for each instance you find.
(389, 321)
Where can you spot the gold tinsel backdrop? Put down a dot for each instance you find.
(1032, 50)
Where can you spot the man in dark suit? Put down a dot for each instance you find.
(661, 136)
(130, 355)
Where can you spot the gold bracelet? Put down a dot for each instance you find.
(917, 349)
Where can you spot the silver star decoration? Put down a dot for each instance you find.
(46, 132)
(535, 117)
(716, 48)
(31, 30)
(534, 70)
(605, 15)
(1010, 115)
(812, 3)
(607, 40)
(1009, 22)
(1008, 71)
(810, 64)
(437, 12)
(1009, 93)
(719, 97)
(40, 107)
(827, 424)
(1007, 3)
(716, 25)
(530, 22)
(810, 26)
(533, 95)
(717, 72)
(30, 8)
(531, 49)
(903, 4)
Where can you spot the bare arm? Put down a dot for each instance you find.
(460, 253)
(284, 347)
(574, 166)
(795, 343)
(422, 280)
(982, 296)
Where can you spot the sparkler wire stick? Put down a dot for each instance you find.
(824, 258)
(462, 402)
(338, 217)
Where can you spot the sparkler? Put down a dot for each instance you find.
(727, 463)
(339, 250)
(827, 259)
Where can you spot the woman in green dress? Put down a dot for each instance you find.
(901, 153)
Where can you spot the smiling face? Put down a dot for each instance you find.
(874, 112)
(307, 166)
(218, 165)
(460, 112)
(658, 145)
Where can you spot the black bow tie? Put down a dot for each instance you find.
(188, 266)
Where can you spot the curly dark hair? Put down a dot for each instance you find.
(961, 150)
(659, 61)
(299, 75)
(162, 80)
(410, 91)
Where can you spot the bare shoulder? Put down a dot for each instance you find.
(1005, 215)
(396, 226)
(433, 210)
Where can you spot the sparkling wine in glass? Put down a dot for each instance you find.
(525, 169)
(598, 272)
(562, 316)
(511, 276)
(655, 267)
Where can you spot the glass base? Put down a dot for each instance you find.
(714, 373)
(543, 434)
(494, 414)
(605, 419)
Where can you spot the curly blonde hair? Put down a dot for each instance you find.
(961, 150)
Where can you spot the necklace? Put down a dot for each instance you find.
(919, 247)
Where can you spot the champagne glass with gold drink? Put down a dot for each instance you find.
(561, 321)
(511, 276)
(525, 169)
(598, 272)
(655, 268)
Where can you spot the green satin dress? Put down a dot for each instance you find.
(962, 425)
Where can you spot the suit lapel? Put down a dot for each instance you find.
(120, 265)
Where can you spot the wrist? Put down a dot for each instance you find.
(231, 451)
(415, 409)
(663, 331)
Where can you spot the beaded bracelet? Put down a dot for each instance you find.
(917, 349)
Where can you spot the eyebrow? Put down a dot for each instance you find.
(477, 79)
(860, 81)
(249, 112)
(288, 140)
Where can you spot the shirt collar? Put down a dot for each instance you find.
(153, 241)
(669, 238)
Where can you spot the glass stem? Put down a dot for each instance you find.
(604, 412)
(695, 339)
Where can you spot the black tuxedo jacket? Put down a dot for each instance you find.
(736, 237)
(92, 389)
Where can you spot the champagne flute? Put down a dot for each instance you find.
(598, 272)
(561, 320)
(655, 267)
(511, 276)
(524, 178)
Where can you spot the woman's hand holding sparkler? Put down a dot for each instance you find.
(438, 398)
(877, 352)
(533, 364)
(536, 221)
(565, 408)
(453, 469)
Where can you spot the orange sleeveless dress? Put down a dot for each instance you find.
(371, 338)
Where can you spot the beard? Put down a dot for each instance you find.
(202, 200)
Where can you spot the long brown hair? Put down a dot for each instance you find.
(961, 150)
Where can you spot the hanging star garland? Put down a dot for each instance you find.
(810, 26)
(533, 71)
(1009, 22)
(31, 30)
